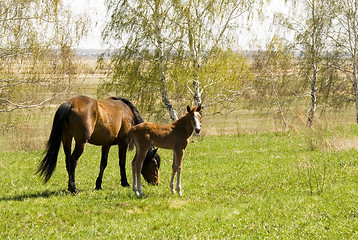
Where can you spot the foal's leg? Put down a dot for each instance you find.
(71, 166)
(122, 147)
(171, 183)
(137, 164)
(104, 160)
(136, 182)
(177, 168)
(134, 172)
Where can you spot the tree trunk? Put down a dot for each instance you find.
(196, 63)
(196, 88)
(172, 113)
(313, 97)
(314, 70)
(163, 83)
(280, 110)
(355, 78)
(355, 86)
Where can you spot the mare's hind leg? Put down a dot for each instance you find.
(67, 142)
(104, 160)
(122, 147)
(71, 166)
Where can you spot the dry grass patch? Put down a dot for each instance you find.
(179, 203)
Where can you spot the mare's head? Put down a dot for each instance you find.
(195, 117)
(151, 164)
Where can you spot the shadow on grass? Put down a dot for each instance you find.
(24, 196)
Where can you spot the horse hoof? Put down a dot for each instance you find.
(73, 191)
(98, 185)
(138, 194)
(179, 191)
(125, 184)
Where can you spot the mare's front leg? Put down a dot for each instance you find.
(71, 164)
(104, 161)
(122, 147)
(177, 169)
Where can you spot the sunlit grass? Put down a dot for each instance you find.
(246, 186)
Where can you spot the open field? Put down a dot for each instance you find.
(247, 186)
(28, 129)
(245, 177)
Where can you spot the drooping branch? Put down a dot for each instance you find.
(10, 106)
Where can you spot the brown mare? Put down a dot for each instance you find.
(100, 122)
(171, 136)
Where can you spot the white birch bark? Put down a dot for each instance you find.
(163, 83)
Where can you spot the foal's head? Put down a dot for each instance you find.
(151, 164)
(195, 117)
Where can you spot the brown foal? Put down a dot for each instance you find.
(171, 136)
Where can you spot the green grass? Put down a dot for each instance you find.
(249, 186)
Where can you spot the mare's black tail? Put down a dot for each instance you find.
(48, 164)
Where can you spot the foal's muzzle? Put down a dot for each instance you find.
(197, 130)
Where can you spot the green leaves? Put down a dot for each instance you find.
(36, 51)
(176, 43)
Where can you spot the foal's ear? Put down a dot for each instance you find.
(198, 109)
(188, 109)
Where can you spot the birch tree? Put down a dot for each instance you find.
(275, 81)
(345, 37)
(209, 26)
(161, 42)
(311, 29)
(159, 20)
(32, 33)
(142, 36)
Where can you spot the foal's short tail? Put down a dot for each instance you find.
(48, 164)
(131, 142)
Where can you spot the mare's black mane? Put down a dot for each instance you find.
(137, 117)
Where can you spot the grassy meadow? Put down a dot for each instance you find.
(245, 177)
(286, 185)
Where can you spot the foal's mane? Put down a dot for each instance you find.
(181, 122)
(137, 117)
